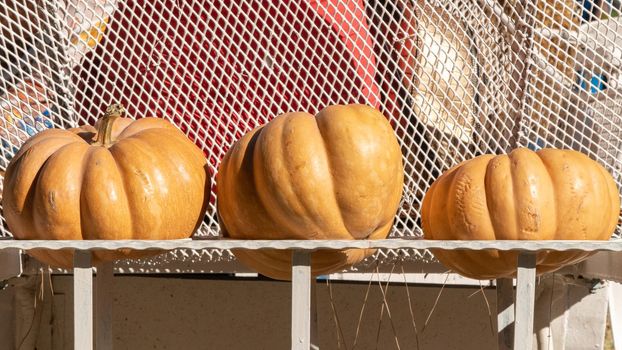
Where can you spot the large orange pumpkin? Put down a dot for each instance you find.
(546, 195)
(123, 179)
(336, 175)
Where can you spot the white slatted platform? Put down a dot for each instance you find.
(614, 245)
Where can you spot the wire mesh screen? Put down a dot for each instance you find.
(455, 78)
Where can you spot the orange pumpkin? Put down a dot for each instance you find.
(336, 175)
(546, 195)
(122, 179)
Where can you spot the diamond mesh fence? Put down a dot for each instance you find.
(455, 78)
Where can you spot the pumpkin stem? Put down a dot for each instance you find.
(104, 132)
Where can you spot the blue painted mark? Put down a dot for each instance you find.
(26, 127)
(10, 150)
(42, 123)
(46, 121)
(539, 144)
(31, 126)
(596, 83)
(587, 9)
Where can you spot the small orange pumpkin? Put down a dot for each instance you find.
(336, 175)
(546, 195)
(122, 179)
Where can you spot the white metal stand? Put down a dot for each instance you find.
(301, 277)
(525, 301)
(301, 300)
(82, 300)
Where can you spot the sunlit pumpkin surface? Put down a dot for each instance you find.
(336, 175)
(546, 195)
(122, 179)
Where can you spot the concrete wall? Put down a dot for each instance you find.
(175, 313)
(199, 312)
(7, 321)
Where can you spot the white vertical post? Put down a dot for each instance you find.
(103, 306)
(82, 300)
(505, 313)
(301, 300)
(525, 301)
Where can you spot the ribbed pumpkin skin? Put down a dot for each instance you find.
(336, 175)
(546, 195)
(150, 182)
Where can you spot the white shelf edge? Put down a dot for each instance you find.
(395, 243)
